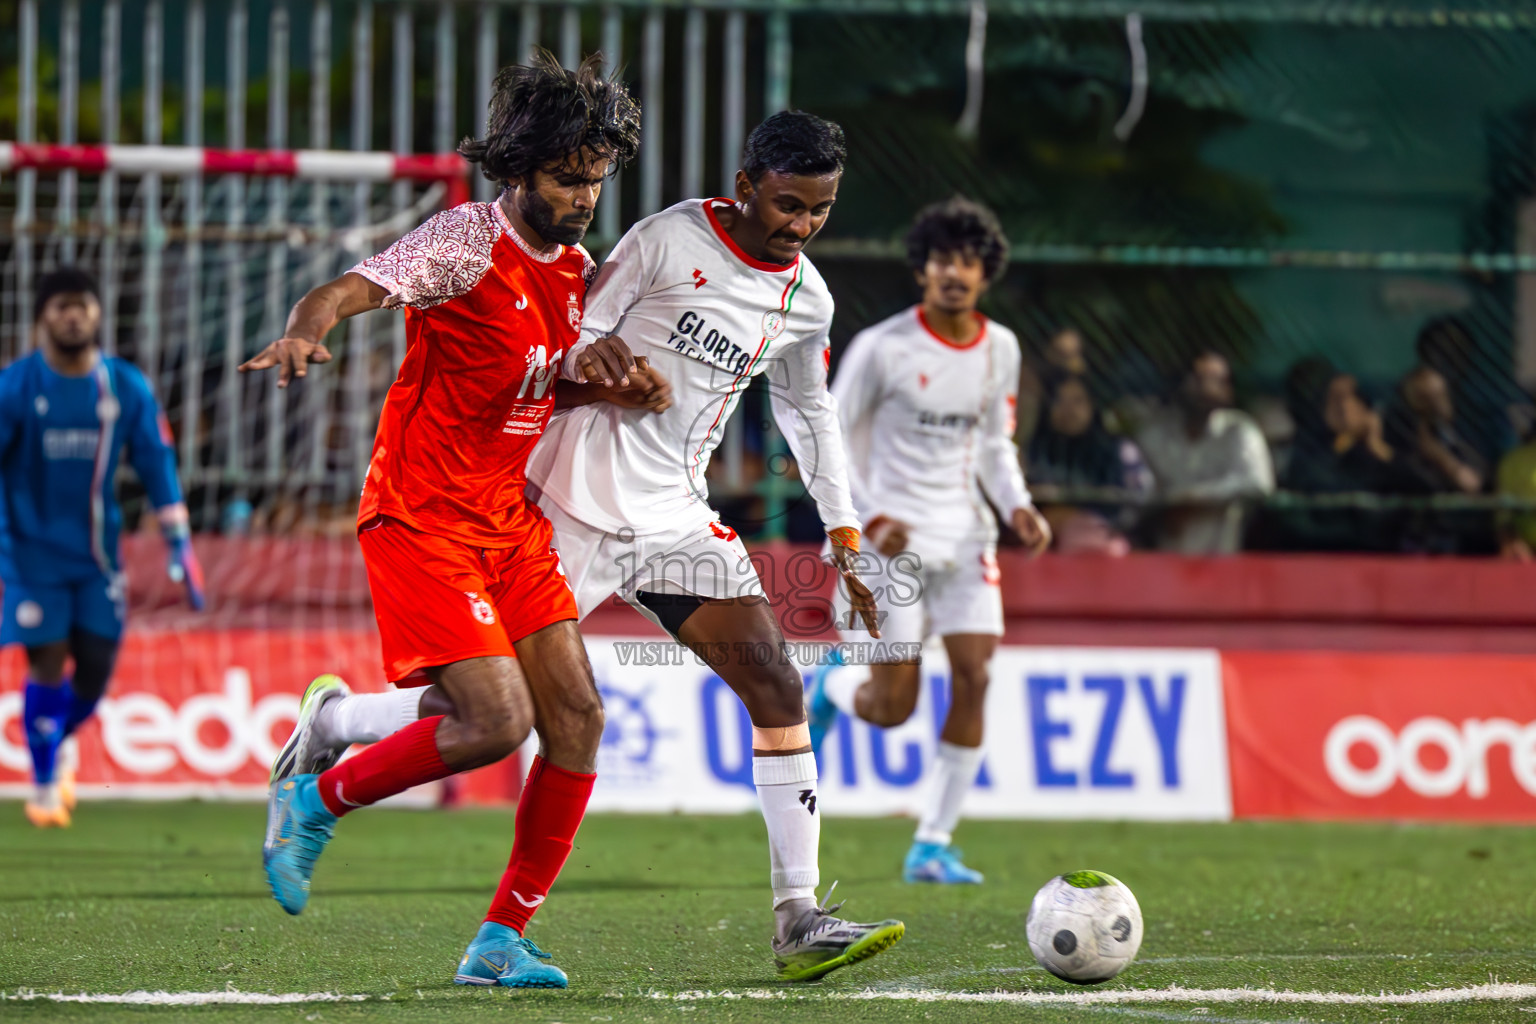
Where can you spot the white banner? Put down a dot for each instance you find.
(1071, 733)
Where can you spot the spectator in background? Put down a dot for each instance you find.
(1208, 459)
(1072, 449)
(1339, 447)
(1423, 425)
(1340, 442)
(1488, 401)
(1517, 479)
(1063, 356)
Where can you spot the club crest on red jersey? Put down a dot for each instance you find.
(773, 324)
(573, 311)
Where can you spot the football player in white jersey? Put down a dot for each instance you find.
(927, 405)
(712, 293)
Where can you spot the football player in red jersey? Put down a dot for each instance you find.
(461, 566)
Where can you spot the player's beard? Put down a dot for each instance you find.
(540, 215)
(71, 346)
(71, 343)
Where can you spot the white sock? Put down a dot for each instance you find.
(368, 717)
(952, 777)
(786, 788)
(843, 683)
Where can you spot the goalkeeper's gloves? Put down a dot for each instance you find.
(183, 566)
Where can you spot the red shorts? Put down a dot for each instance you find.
(439, 600)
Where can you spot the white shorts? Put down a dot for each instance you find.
(706, 561)
(917, 602)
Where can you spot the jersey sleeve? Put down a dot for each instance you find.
(440, 260)
(151, 449)
(11, 406)
(807, 414)
(998, 465)
(626, 275)
(857, 391)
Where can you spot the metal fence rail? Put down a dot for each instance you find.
(199, 263)
(1256, 251)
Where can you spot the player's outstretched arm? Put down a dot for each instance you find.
(311, 320)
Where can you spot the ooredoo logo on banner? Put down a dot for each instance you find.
(195, 713)
(1382, 736)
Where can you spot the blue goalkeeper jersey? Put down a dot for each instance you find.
(60, 439)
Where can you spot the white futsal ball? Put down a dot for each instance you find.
(1084, 927)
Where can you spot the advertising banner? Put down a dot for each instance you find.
(1346, 735)
(1071, 733)
(193, 713)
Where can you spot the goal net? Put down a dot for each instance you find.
(200, 254)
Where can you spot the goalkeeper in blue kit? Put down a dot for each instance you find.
(67, 412)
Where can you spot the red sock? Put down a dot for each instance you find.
(548, 816)
(392, 765)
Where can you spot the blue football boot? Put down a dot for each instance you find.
(299, 826)
(820, 713)
(500, 956)
(934, 862)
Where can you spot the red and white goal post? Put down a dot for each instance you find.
(200, 253)
(302, 164)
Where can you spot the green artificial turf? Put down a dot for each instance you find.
(170, 897)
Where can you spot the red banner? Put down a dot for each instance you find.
(195, 712)
(1343, 735)
(203, 712)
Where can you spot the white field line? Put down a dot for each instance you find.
(185, 998)
(1498, 991)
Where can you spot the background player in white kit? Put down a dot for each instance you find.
(927, 404)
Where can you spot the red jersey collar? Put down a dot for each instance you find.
(936, 336)
(736, 250)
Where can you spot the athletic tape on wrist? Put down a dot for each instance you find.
(846, 536)
(792, 738)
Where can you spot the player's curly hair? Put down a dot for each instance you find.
(542, 113)
(794, 142)
(957, 225)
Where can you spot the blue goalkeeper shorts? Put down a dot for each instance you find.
(37, 615)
